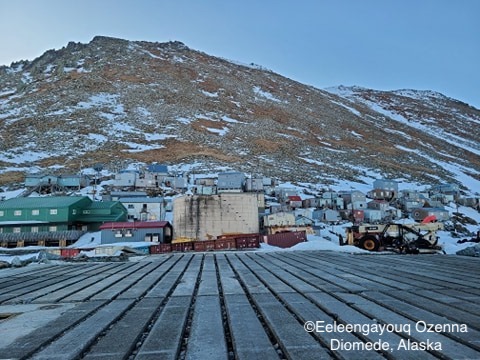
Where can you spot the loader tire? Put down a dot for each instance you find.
(370, 243)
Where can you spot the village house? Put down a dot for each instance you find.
(354, 200)
(144, 208)
(450, 189)
(373, 215)
(230, 182)
(152, 177)
(206, 181)
(34, 180)
(29, 219)
(387, 185)
(381, 194)
(282, 193)
(326, 215)
(150, 231)
(254, 183)
(421, 213)
(294, 202)
(117, 195)
(126, 179)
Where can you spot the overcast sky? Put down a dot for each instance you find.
(379, 44)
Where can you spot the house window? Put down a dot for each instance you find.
(118, 233)
(53, 211)
(128, 233)
(52, 228)
(36, 212)
(2, 213)
(34, 229)
(17, 213)
(74, 212)
(16, 230)
(131, 206)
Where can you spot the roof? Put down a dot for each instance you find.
(157, 168)
(141, 200)
(294, 198)
(134, 225)
(42, 202)
(102, 204)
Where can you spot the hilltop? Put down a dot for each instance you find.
(115, 101)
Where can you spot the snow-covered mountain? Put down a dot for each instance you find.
(113, 100)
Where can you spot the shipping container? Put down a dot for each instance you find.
(206, 245)
(286, 239)
(160, 248)
(68, 253)
(247, 242)
(225, 244)
(183, 246)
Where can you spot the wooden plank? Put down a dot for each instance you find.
(74, 342)
(249, 338)
(417, 314)
(152, 276)
(122, 286)
(288, 331)
(107, 282)
(25, 346)
(449, 347)
(207, 338)
(343, 313)
(164, 339)
(458, 315)
(129, 329)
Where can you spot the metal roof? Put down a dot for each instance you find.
(134, 225)
(41, 202)
(140, 200)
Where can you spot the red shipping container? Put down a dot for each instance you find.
(286, 239)
(241, 243)
(68, 253)
(225, 244)
(199, 246)
(205, 245)
(177, 247)
(160, 248)
(253, 243)
(188, 246)
(165, 248)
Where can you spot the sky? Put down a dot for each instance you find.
(378, 44)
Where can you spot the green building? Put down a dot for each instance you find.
(53, 214)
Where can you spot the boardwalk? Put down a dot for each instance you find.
(244, 305)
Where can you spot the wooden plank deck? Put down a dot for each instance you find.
(245, 305)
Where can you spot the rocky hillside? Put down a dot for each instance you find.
(113, 100)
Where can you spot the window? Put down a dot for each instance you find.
(34, 229)
(2, 213)
(74, 212)
(52, 228)
(16, 230)
(36, 212)
(118, 233)
(131, 206)
(53, 211)
(17, 213)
